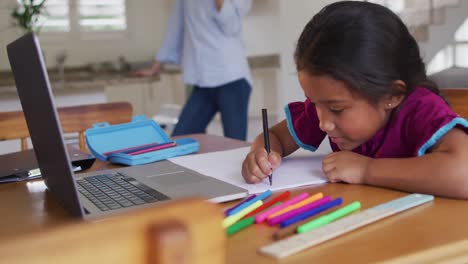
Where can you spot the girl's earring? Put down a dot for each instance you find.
(389, 105)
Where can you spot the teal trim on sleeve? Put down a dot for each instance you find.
(441, 132)
(293, 133)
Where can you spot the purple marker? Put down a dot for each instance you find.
(158, 147)
(226, 213)
(282, 217)
(311, 212)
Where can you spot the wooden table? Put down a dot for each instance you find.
(27, 207)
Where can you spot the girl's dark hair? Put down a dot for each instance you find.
(364, 45)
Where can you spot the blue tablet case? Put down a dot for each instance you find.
(103, 138)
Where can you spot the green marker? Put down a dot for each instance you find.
(240, 225)
(246, 222)
(323, 220)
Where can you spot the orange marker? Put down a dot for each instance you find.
(310, 199)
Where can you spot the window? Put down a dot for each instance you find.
(97, 15)
(57, 17)
(454, 54)
(461, 35)
(84, 15)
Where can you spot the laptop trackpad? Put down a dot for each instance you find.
(176, 179)
(182, 184)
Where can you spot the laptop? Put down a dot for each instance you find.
(100, 193)
(22, 166)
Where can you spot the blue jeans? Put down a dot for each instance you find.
(231, 100)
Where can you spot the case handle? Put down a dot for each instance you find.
(102, 124)
(137, 118)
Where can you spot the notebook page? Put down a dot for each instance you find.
(300, 169)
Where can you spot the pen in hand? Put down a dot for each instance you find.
(266, 138)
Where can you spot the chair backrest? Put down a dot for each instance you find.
(185, 231)
(458, 100)
(73, 119)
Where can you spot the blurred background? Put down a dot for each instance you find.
(90, 46)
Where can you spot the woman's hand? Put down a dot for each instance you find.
(154, 70)
(345, 166)
(258, 165)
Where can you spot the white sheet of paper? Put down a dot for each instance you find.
(300, 169)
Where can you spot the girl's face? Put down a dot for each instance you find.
(348, 119)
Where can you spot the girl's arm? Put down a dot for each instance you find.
(281, 140)
(443, 171)
(258, 164)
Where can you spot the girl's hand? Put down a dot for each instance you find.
(345, 166)
(258, 165)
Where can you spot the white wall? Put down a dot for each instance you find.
(294, 15)
(261, 28)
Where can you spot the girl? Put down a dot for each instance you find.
(367, 90)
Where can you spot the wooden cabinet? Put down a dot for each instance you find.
(147, 95)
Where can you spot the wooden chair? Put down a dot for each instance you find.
(185, 231)
(458, 100)
(73, 119)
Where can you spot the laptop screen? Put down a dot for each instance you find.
(34, 90)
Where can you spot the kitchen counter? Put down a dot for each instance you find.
(77, 78)
(85, 78)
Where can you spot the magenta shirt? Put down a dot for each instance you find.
(414, 127)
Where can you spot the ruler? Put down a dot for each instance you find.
(296, 243)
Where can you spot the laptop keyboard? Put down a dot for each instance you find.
(115, 191)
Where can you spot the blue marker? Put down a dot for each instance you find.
(261, 196)
(226, 213)
(311, 212)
